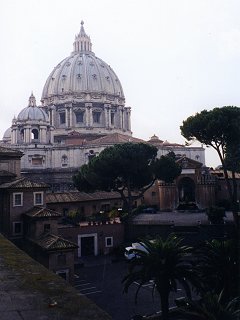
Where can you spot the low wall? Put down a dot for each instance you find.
(30, 291)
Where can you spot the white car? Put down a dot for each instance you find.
(129, 251)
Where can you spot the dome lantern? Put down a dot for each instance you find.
(32, 101)
(82, 41)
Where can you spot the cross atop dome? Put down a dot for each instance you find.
(82, 41)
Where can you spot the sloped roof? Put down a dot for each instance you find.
(186, 162)
(52, 242)
(220, 174)
(23, 183)
(10, 152)
(115, 138)
(80, 196)
(40, 212)
(4, 173)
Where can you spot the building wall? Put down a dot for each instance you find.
(36, 227)
(102, 231)
(13, 214)
(86, 208)
(62, 262)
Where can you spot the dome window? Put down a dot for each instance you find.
(64, 76)
(108, 78)
(35, 134)
(79, 76)
(94, 76)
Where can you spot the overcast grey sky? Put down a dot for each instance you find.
(173, 57)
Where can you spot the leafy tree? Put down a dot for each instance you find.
(220, 129)
(164, 263)
(129, 169)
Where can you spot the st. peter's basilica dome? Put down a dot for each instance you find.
(82, 76)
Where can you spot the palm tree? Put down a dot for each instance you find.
(210, 307)
(165, 264)
(217, 267)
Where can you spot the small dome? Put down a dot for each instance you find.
(32, 112)
(7, 134)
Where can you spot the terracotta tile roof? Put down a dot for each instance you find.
(51, 242)
(40, 212)
(220, 174)
(115, 138)
(23, 183)
(80, 196)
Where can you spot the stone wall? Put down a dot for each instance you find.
(30, 291)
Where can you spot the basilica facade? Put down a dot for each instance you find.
(82, 112)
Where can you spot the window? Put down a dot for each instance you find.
(17, 199)
(105, 207)
(37, 161)
(38, 198)
(79, 117)
(22, 135)
(112, 118)
(46, 227)
(62, 118)
(108, 241)
(65, 212)
(34, 134)
(64, 161)
(64, 274)
(17, 228)
(91, 155)
(153, 194)
(96, 117)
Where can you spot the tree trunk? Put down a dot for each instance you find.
(164, 297)
(232, 192)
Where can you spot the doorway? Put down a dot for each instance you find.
(87, 245)
(186, 192)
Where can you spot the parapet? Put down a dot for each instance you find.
(30, 291)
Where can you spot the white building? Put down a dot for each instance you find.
(82, 112)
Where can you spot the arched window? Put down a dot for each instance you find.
(186, 189)
(22, 134)
(35, 134)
